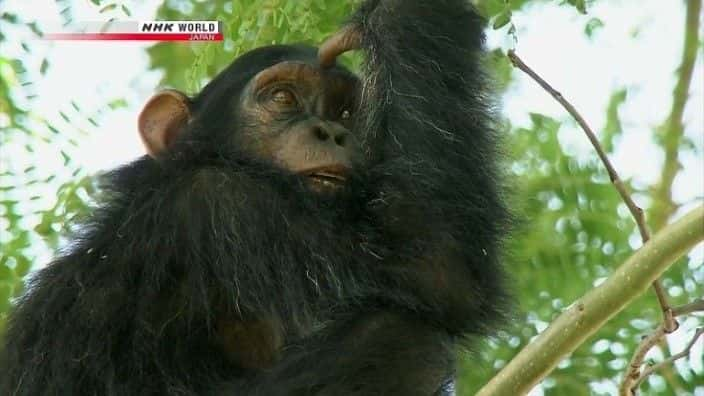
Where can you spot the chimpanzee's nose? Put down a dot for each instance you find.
(323, 133)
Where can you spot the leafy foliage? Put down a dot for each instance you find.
(38, 204)
(247, 24)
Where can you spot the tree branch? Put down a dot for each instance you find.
(586, 315)
(635, 210)
(694, 306)
(672, 130)
(663, 206)
(630, 378)
(651, 369)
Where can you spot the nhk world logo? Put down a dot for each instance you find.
(141, 31)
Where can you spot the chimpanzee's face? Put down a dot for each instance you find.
(300, 117)
(291, 113)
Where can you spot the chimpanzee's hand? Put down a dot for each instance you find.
(346, 39)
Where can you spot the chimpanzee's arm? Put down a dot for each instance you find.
(427, 104)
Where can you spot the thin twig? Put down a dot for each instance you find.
(635, 210)
(685, 352)
(694, 306)
(633, 373)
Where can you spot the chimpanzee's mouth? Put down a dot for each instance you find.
(327, 178)
(332, 177)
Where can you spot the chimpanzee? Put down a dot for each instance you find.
(294, 230)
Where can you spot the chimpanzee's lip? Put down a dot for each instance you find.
(328, 175)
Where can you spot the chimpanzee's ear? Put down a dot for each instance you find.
(161, 119)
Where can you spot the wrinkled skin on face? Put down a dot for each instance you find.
(300, 117)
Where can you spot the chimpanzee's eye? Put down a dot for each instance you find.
(283, 97)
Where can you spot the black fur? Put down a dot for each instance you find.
(373, 289)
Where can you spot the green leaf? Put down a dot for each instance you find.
(592, 26)
(18, 66)
(490, 8)
(44, 228)
(6, 275)
(23, 266)
(108, 7)
(580, 5)
(502, 19)
(117, 104)
(35, 29)
(5, 294)
(501, 68)
(53, 130)
(66, 157)
(9, 17)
